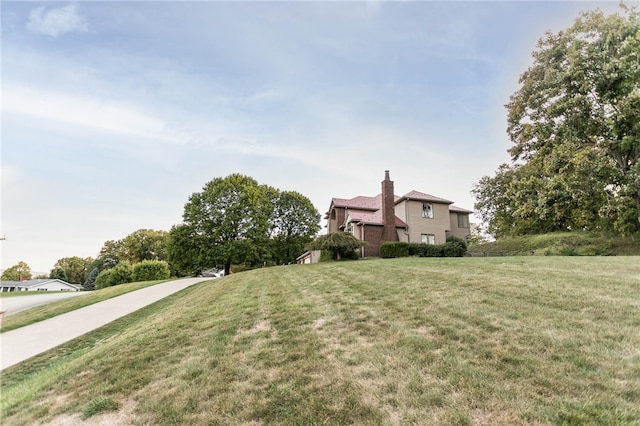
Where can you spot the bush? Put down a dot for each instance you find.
(454, 247)
(425, 250)
(148, 270)
(119, 274)
(391, 249)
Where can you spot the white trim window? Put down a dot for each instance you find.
(427, 210)
(429, 239)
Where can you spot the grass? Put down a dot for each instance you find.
(49, 310)
(496, 341)
(560, 243)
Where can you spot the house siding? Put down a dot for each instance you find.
(455, 230)
(334, 224)
(412, 209)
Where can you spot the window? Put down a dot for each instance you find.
(350, 229)
(463, 221)
(427, 210)
(428, 239)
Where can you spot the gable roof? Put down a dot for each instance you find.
(421, 196)
(459, 209)
(361, 202)
(374, 218)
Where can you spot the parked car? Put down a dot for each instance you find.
(212, 272)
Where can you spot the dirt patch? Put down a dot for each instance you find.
(124, 416)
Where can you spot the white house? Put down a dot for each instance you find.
(38, 285)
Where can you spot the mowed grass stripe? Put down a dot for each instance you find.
(405, 341)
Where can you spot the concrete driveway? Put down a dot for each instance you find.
(25, 342)
(13, 304)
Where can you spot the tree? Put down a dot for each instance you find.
(18, 272)
(144, 244)
(575, 127)
(340, 244)
(295, 221)
(111, 253)
(229, 220)
(58, 274)
(75, 268)
(184, 250)
(89, 283)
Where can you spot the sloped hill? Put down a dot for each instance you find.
(560, 243)
(532, 340)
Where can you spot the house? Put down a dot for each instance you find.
(415, 217)
(311, 256)
(38, 285)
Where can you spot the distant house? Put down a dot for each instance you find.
(415, 217)
(38, 285)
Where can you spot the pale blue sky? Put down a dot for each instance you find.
(113, 113)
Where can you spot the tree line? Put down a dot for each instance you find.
(233, 220)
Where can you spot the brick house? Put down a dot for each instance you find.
(415, 217)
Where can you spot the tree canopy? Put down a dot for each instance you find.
(75, 269)
(575, 128)
(340, 244)
(234, 219)
(18, 272)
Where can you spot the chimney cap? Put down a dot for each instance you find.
(386, 175)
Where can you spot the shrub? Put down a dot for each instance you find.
(391, 249)
(148, 270)
(454, 247)
(341, 244)
(119, 274)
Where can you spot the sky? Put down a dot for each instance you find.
(113, 113)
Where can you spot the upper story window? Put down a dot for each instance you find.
(427, 210)
(463, 221)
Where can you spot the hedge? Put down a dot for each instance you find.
(454, 247)
(391, 249)
(148, 270)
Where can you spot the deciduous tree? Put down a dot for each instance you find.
(295, 221)
(575, 127)
(76, 269)
(341, 244)
(228, 220)
(18, 272)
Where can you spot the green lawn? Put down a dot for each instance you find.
(495, 341)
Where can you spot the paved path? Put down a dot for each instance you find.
(23, 343)
(12, 305)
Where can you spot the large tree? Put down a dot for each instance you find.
(18, 272)
(236, 220)
(145, 244)
(229, 219)
(75, 268)
(295, 222)
(575, 126)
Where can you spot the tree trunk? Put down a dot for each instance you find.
(227, 268)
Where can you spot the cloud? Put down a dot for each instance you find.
(55, 22)
(87, 112)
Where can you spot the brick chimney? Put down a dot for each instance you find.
(389, 232)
